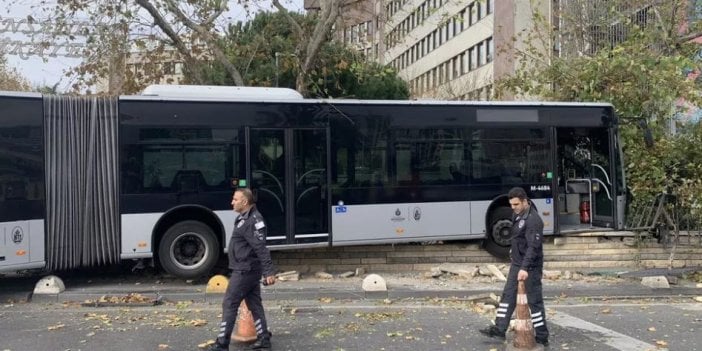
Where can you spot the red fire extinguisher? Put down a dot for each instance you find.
(585, 212)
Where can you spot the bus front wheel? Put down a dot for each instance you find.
(499, 236)
(189, 249)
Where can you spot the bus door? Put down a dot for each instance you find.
(585, 178)
(288, 173)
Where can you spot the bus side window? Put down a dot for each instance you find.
(16, 190)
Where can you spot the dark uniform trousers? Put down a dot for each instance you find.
(534, 297)
(242, 286)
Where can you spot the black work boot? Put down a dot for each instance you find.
(493, 332)
(542, 341)
(218, 347)
(263, 342)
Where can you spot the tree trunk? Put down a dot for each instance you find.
(307, 50)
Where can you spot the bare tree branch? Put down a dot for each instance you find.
(209, 39)
(329, 13)
(208, 21)
(168, 30)
(296, 26)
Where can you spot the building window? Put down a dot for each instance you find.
(462, 21)
(454, 63)
(471, 14)
(489, 49)
(471, 59)
(461, 63)
(480, 53)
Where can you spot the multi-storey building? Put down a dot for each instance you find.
(449, 49)
(457, 49)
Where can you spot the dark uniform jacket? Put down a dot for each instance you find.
(527, 250)
(247, 246)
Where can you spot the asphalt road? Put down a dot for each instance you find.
(595, 313)
(410, 324)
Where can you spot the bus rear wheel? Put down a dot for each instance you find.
(499, 234)
(189, 249)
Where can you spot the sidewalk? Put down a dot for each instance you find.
(603, 284)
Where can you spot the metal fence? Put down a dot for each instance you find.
(667, 220)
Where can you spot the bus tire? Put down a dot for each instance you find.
(498, 239)
(189, 249)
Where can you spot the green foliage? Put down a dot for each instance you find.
(264, 50)
(641, 74)
(10, 78)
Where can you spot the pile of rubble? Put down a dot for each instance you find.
(295, 275)
(490, 272)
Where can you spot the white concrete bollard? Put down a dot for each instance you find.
(374, 282)
(50, 284)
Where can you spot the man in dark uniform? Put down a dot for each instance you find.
(527, 256)
(249, 260)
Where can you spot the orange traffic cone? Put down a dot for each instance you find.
(245, 331)
(523, 329)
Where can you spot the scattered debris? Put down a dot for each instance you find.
(435, 272)
(348, 274)
(323, 275)
(483, 270)
(462, 270)
(288, 276)
(485, 298)
(360, 271)
(552, 275)
(496, 273)
(132, 299)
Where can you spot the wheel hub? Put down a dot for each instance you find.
(189, 250)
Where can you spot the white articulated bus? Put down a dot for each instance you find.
(88, 181)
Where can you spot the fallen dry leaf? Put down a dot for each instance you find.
(56, 327)
(661, 343)
(326, 299)
(163, 346)
(606, 311)
(198, 322)
(652, 329)
(206, 344)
